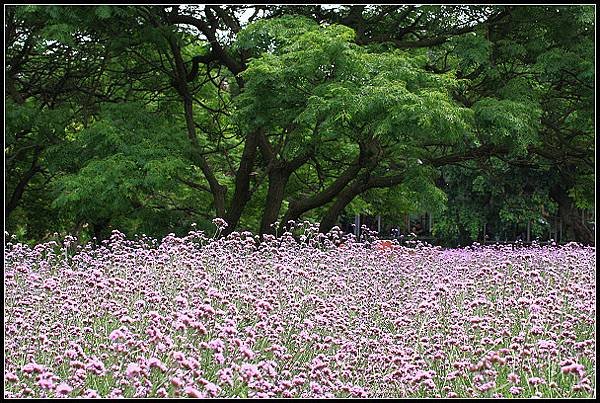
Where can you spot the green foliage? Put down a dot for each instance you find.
(470, 51)
(95, 124)
(583, 191)
(120, 162)
(506, 122)
(103, 12)
(274, 36)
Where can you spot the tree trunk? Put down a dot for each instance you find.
(279, 171)
(364, 182)
(98, 228)
(278, 178)
(571, 217)
(180, 84)
(17, 193)
(241, 194)
(344, 198)
(369, 158)
(217, 190)
(299, 207)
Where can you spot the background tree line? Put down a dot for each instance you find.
(149, 118)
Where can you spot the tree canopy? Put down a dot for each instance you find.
(151, 118)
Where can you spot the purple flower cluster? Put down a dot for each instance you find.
(199, 317)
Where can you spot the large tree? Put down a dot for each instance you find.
(540, 56)
(255, 115)
(54, 77)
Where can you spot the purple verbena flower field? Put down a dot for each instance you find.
(222, 317)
